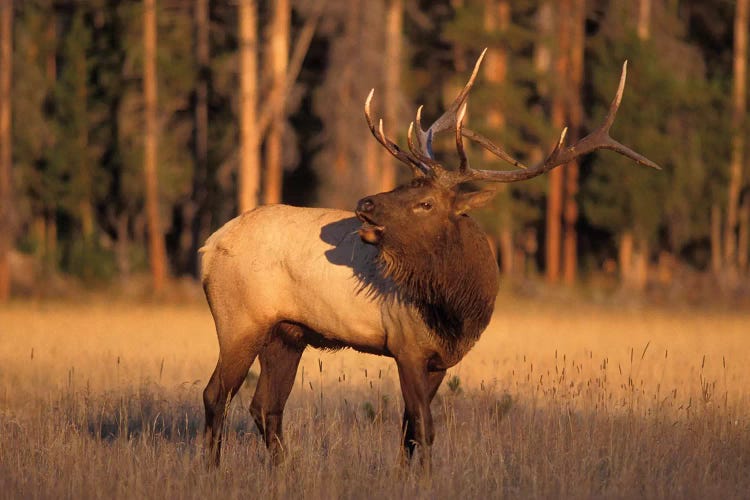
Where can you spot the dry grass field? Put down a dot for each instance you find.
(568, 401)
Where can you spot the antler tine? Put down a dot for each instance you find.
(418, 167)
(464, 160)
(615, 104)
(418, 120)
(556, 151)
(426, 160)
(560, 155)
(448, 119)
(492, 148)
(600, 138)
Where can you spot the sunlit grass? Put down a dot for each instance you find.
(570, 400)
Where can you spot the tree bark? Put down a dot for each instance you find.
(739, 105)
(716, 255)
(743, 241)
(575, 113)
(249, 155)
(640, 266)
(276, 67)
(545, 25)
(665, 268)
(157, 250)
(497, 20)
(50, 262)
(555, 186)
(372, 165)
(6, 188)
(394, 21)
(644, 19)
(122, 247)
(625, 258)
(85, 205)
(542, 52)
(196, 216)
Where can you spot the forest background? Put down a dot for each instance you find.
(130, 130)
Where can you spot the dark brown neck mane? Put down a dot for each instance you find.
(452, 281)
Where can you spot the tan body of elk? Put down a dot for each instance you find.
(409, 275)
(280, 278)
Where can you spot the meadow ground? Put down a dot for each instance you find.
(562, 401)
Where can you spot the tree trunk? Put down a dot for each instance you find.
(249, 157)
(640, 266)
(555, 187)
(497, 20)
(625, 258)
(545, 25)
(276, 67)
(196, 216)
(39, 236)
(507, 252)
(716, 255)
(575, 112)
(394, 20)
(372, 165)
(85, 205)
(50, 261)
(457, 50)
(644, 20)
(634, 256)
(373, 158)
(122, 247)
(542, 51)
(739, 104)
(157, 250)
(666, 268)
(6, 193)
(743, 241)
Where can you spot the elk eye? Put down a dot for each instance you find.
(426, 205)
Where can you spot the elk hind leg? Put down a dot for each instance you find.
(279, 360)
(231, 370)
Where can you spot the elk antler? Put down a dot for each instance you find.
(422, 147)
(560, 155)
(418, 167)
(422, 160)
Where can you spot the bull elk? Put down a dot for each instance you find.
(407, 275)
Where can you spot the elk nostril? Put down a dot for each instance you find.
(365, 205)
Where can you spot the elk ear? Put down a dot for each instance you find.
(470, 201)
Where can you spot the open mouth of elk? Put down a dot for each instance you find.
(370, 232)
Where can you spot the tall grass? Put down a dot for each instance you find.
(104, 400)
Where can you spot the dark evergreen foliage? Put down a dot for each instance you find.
(77, 109)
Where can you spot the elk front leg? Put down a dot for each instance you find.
(418, 386)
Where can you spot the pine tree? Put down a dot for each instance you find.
(277, 58)
(71, 157)
(157, 249)
(348, 167)
(577, 19)
(739, 105)
(39, 186)
(6, 192)
(660, 115)
(505, 106)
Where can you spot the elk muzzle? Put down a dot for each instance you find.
(370, 232)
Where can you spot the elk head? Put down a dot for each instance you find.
(433, 201)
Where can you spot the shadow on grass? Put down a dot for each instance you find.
(149, 411)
